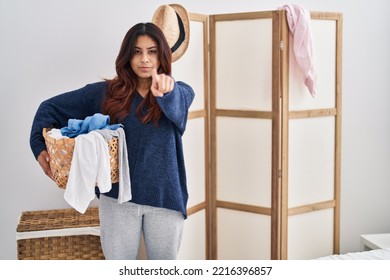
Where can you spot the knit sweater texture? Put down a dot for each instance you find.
(155, 153)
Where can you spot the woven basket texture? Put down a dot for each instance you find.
(61, 152)
(75, 247)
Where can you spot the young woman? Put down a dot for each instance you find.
(153, 109)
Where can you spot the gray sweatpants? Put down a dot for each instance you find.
(122, 225)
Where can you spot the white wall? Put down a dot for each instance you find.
(48, 47)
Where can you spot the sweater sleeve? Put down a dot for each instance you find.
(175, 104)
(56, 111)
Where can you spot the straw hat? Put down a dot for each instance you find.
(173, 20)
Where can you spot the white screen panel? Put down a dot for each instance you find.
(193, 245)
(324, 44)
(243, 235)
(194, 156)
(244, 160)
(310, 235)
(190, 67)
(244, 64)
(311, 160)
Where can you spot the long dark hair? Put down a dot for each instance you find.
(121, 88)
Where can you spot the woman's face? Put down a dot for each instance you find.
(145, 57)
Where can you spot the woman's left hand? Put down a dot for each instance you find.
(161, 84)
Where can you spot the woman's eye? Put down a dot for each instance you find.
(153, 51)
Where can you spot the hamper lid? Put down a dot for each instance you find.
(57, 219)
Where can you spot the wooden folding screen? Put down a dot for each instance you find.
(262, 155)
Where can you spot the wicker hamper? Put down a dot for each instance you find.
(61, 153)
(62, 234)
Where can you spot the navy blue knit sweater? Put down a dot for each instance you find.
(157, 171)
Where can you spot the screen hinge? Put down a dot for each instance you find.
(281, 45)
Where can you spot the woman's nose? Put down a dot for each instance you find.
(145, 59)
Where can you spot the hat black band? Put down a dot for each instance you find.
(182, 34)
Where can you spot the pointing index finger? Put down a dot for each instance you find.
(154, 74)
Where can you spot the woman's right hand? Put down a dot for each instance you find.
(43, 160)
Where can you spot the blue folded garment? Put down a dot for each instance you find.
(97, 121)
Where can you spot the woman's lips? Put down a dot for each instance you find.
(145, 69)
